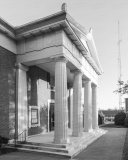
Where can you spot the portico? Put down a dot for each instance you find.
(55, 55)
(69, 61)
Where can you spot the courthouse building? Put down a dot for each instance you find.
(43, 66)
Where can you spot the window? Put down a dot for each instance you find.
(34, 116)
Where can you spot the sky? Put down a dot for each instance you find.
(100, 15)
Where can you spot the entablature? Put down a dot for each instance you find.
(54, 28)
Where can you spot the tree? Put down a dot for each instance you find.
(123, 89)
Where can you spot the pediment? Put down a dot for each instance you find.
(88, 42)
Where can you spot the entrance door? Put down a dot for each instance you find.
(51, 117)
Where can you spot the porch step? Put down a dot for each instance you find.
(44, 144)
(42, 148)
(69, 150)
(48, 153)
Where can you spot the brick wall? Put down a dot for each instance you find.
(7, 93)
(38, 95)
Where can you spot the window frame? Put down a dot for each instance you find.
(31, 108)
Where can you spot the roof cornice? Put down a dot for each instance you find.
(41, 19)
(7, 29)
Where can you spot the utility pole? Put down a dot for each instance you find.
(119, 66)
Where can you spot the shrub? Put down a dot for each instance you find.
(100, 119)
(126, 122)
(3, 140)
(120, 118)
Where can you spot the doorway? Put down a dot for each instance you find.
(51, 117)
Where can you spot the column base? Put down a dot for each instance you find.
(88, 130)
(85, 129)
(96, 128)
(77, 134)
(61, 141)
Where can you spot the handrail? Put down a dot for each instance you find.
(21, 137)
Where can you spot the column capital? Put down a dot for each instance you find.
(94, 86)
(21, 66)
(76, 71)
(86, 80)
(60, 59)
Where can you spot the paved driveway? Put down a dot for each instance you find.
(107, 147)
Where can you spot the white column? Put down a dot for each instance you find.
(71, 106)
(77, 104)
(94, 108)
(87, 106)
(61, 110)
(21, 99)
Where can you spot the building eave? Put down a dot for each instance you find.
(40, 23)
(7, 29)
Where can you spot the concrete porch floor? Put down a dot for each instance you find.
(44, 143)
